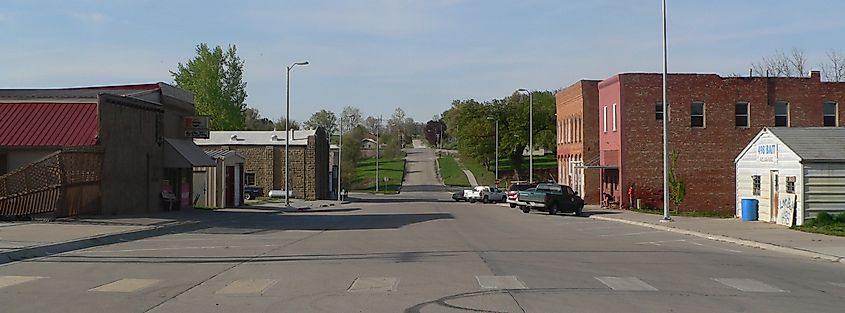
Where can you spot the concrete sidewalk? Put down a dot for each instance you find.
(23, 240)
(754, 234)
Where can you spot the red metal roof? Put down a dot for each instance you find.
(48, 124)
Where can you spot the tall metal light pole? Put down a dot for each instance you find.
(287, 131)
(666, 216)
(340, 155)
(497, 148)
(530, 134)
(339, 158)
(377, 149)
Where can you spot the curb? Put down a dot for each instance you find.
(742, 242)
(93, 241)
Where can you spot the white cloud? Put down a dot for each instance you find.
(61, 67)
(91, 17)
(374, 17)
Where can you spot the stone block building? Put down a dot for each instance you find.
(264, 151)
(712, 119)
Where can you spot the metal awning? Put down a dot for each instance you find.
(594, 163)
(183, 153)
(612, 167)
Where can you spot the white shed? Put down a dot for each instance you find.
(221, 186)
(794, 173)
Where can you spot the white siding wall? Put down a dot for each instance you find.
(788, 164)
(825, 188)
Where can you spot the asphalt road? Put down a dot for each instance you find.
(420, 252)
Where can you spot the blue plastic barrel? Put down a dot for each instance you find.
(749, 210)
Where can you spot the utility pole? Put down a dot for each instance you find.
(530, 134)
(377, 149)
(666, 216)
(339, 159)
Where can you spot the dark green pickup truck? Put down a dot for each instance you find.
(552, 198)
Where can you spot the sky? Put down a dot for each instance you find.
(419, 55)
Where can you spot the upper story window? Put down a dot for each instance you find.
(831, 117)
(781, 114)
(604, 119)
(742, 117)
(614, 117)
(658, 111)
(697, 115)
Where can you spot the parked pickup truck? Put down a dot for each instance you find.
(552, 198)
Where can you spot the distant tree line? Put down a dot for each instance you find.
(472, 124)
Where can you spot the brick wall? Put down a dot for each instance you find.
(576, 111)
(706, 154)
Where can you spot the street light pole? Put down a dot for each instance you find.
(497, 147)
(339, 158)
(666, 216)
(287, 130)
(377, 149)
(530, 134)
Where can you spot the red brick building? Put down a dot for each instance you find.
(712, 119)
(578, 138)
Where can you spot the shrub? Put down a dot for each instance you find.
(824, 218)
(840, 218)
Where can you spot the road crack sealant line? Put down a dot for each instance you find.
(94, 241)
(741, 242)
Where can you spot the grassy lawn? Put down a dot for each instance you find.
(540, 162)
(451, 172)
(482, 175)
(393, 169)
(825, 224)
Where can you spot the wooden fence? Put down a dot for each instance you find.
(65, 183)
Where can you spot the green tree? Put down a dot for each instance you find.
(351, 117)
(467, 120)
(215, 77)
(373, 123)
(280, 125)
(325, 119)
(351, 154)
(677, 187)
(254, 121)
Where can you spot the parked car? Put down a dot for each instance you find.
(492, 194)
(514, 189)
(459, 196)
(252, 192)
(552, 198)
(473, 195)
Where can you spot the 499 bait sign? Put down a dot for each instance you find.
(767, 153)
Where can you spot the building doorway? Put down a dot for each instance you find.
(610, 188)
(576, 176)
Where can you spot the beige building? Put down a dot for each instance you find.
(220, 186)
(264, 151)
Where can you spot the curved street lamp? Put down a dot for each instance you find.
(287, 130)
